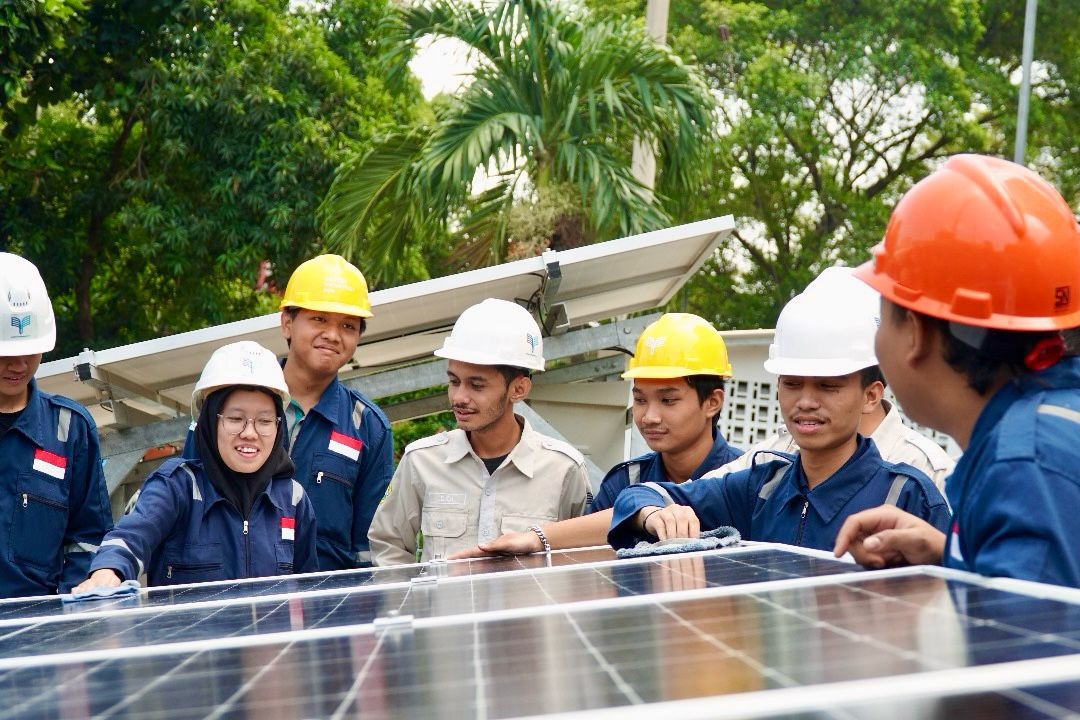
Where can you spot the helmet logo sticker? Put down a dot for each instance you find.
(18, 298)
(532, 340)
(655, 343)
(20, 322)
(1062, 297)
(249, 364)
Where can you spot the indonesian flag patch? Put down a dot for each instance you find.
(345, 445)
(288, 528)
(50, 464)
(954, 544)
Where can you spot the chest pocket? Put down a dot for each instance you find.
(194, 563)
(39, 522)
(331, 488)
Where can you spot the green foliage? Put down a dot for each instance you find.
(831, 110)
(556, 102)
(177, 146)
(28, 30)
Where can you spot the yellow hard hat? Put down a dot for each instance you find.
(328, 283)
(679, 345)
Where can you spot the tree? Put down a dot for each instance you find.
(550, 115)
(29, 29)
(830, 110)
(178, 147)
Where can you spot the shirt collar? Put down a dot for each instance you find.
(830, 497)
(523, 456)
(30, 422)
(719, 454)
(890, 431)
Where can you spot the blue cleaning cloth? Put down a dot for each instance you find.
(710, 539)
(128, 587)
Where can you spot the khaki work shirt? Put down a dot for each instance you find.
(896, 442)
(442, 488)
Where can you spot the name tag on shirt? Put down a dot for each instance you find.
(442, 498)
(288, 528)
(50, 464)
(345, 445)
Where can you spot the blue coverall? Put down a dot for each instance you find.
(1016, 490)
(54, 506)
(789, 512)
(183, 531)
(650, 468)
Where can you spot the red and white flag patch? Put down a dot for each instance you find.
(345, 445)
(288, 528)
(50, 463)
(954, 544)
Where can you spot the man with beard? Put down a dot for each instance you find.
(494, 473)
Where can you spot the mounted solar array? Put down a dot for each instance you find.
(763, 631)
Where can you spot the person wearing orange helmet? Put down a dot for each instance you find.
(979, 273)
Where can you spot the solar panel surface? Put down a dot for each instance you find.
(755, 631)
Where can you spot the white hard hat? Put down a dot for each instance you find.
(827, 330)
(29, 327)
(239, 363)
(495, 332)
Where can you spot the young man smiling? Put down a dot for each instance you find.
(823, 354)
(339, 440)
(678, 370)
(494, 473)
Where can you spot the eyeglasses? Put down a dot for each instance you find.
(236, 424)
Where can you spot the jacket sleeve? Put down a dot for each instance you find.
(575, 492)
(397, 519)
(376, 469)
(90, 517)
(715, 501)
(305, 557)
(127, 549)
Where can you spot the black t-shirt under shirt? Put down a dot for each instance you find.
(492, 464)
(9, 419)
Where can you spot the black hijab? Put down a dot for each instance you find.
(238, 488)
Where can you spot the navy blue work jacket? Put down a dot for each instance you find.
(344, 457)
(183, 531)
(650, 468)
(54, 506)
(1016, 490)
(791, 513)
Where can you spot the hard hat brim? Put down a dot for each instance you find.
(34, 346)
(815, 367)
(341, 308)
(666, 372)
(479, 357)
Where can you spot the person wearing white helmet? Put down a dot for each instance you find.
(896, 442)
(232, 511)
(54, 503)
(821, 353)
(494, 473)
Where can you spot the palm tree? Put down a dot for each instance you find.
(551, 116)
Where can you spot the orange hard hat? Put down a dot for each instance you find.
(982, 242)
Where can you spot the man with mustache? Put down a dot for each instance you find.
(494, 473)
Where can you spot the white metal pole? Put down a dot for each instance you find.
(1025, 82)
(643, 162)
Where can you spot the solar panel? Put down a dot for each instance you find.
(754, 631)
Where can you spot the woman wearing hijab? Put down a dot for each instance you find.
(234, 511)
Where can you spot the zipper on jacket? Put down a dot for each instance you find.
(318, 478)
(245, 527)
(44, 501)
(168, 572)
(802, 523)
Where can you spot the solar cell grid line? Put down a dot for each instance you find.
(443, 597)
